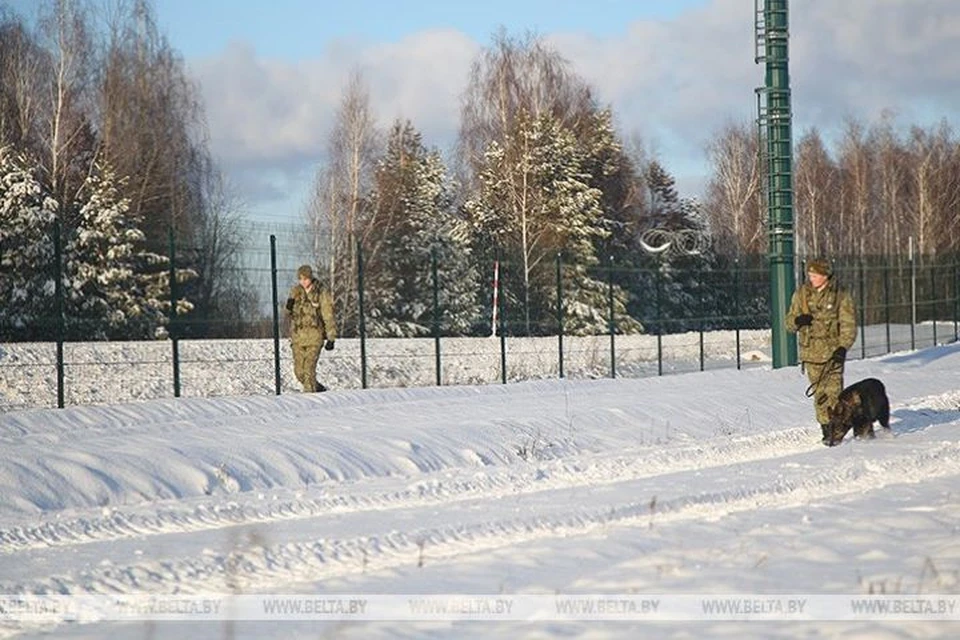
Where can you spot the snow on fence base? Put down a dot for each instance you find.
(54, 609)
(112, 372)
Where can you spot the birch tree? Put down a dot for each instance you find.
(734, 204)
(855, 162)
(339, 210)
(534, 201)
(520, 93)
(934, 183)
(23, 70)
(515, 76)
(151, 124)
(66, 133)
(816, 190)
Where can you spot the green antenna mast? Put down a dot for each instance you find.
(774, 119)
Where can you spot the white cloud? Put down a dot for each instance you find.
(268, 111)
(674, 82)
(860, 57)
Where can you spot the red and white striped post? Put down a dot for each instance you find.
(496, 291)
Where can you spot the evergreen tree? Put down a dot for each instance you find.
(680, 289)
(689, 286)
(666, 210)
(415, 219)
(27, 216)
(115, 287)
(536, 201)
(618, 249)
(683, 267)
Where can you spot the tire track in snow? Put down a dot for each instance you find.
(455, 485)
(437, 488)
(468, 527)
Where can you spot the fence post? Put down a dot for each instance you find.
(436, 311)
(700, 309)
(559, 315)
(362, 326)
(500, 321)
(58, 292)
(886, 302)
(659, 324)
(174, 340)
(956, 301)
(276, 314)
(933, 294)
(736, 306)
(611, 323)
(913, 298)
(863, 313)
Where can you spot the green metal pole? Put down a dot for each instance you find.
(436, 312)
(913, 299)
(886, 302)
(863, 314)
(174, 340)
(276, 314)
(501, 323)
(58, 292)
(956, 302)
(612, 320)
(700, 311)
(779, 177)
(933, 301)
(559, 315)
(659, 326)
(362, 320)
(736, 305)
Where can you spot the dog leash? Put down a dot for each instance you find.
(834, 366)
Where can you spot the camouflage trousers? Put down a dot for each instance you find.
(827, 383)
(305, 364)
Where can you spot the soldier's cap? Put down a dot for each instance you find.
(820, 266)
(305, 271)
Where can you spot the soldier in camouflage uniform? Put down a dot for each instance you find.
(312, 326)
(823, 316)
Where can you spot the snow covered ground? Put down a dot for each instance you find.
(690, 484)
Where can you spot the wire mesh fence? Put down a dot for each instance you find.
(549, 320)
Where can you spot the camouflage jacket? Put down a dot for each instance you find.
(311, 315)
(834, 321)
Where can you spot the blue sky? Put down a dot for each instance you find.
(248, 41)
(293, 29)
(270, 73)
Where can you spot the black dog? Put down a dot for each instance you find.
(858, 407)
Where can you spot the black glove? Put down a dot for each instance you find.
(803, 320)
(328, 345)
(290, 305)
(839, 355)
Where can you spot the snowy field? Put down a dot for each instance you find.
(682, 485)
